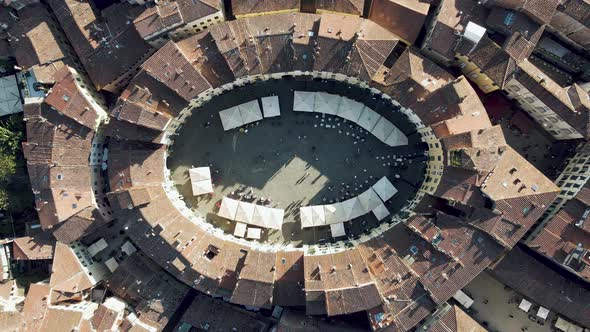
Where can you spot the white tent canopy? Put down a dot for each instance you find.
(384, 189)
(240, 230)
(267, 217)
(381, 212)
(525, 305)
(369, 200)
(396, 138)
(250, 112)
(254, 233)
(564, 325)
(228, 208)
(318, 215)
(368, 119)
(327, 103)
(245, 212)
(337, 230)
(382, 129)
(200, 180)
(306, 216)
(543, 313)
(350, 109)
(202, 187)
(303, 101)
(270, 106)
(352, 208)
(230, 118)
(332, 213)
(199, 173)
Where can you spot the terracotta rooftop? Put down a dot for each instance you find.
(107, 47)
(245, 7)
(456, 320)
(39, 246)
(68, 99)
(354, 7)
(165, 16)
(38, 46)
(404, 18)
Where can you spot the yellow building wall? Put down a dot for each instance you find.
(268, 13)
(475, 75)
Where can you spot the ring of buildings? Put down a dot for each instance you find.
(474, 204)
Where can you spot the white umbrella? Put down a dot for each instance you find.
(303, 101)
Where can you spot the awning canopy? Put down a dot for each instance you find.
(254, 233)
(270, 106)
(369, 200)
(228, 208)
(368, 119)
(306, 216)
(525, 305)
(543, 313)
(384, 189)
(267, 217)
(230, 118)
(382, 129)
(333, 213)
(240, 230)
(350, 109)
(381, 212)
(250, 112)
(318, 215)
(327, 103)
(202, 187)
(396, 138)
(352, 208)
(199, 173)
(200, 180)
(337, 230)
(564, 325)
(245, 212)
(303, 101)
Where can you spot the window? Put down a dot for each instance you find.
(66, 98)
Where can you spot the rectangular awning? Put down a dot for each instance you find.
(254, 233)
(384, 189)
(228, 208)
(543, 313)
(381, 212)
(303, 101)
(337, 230)
(270, 106)
(240, 230)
